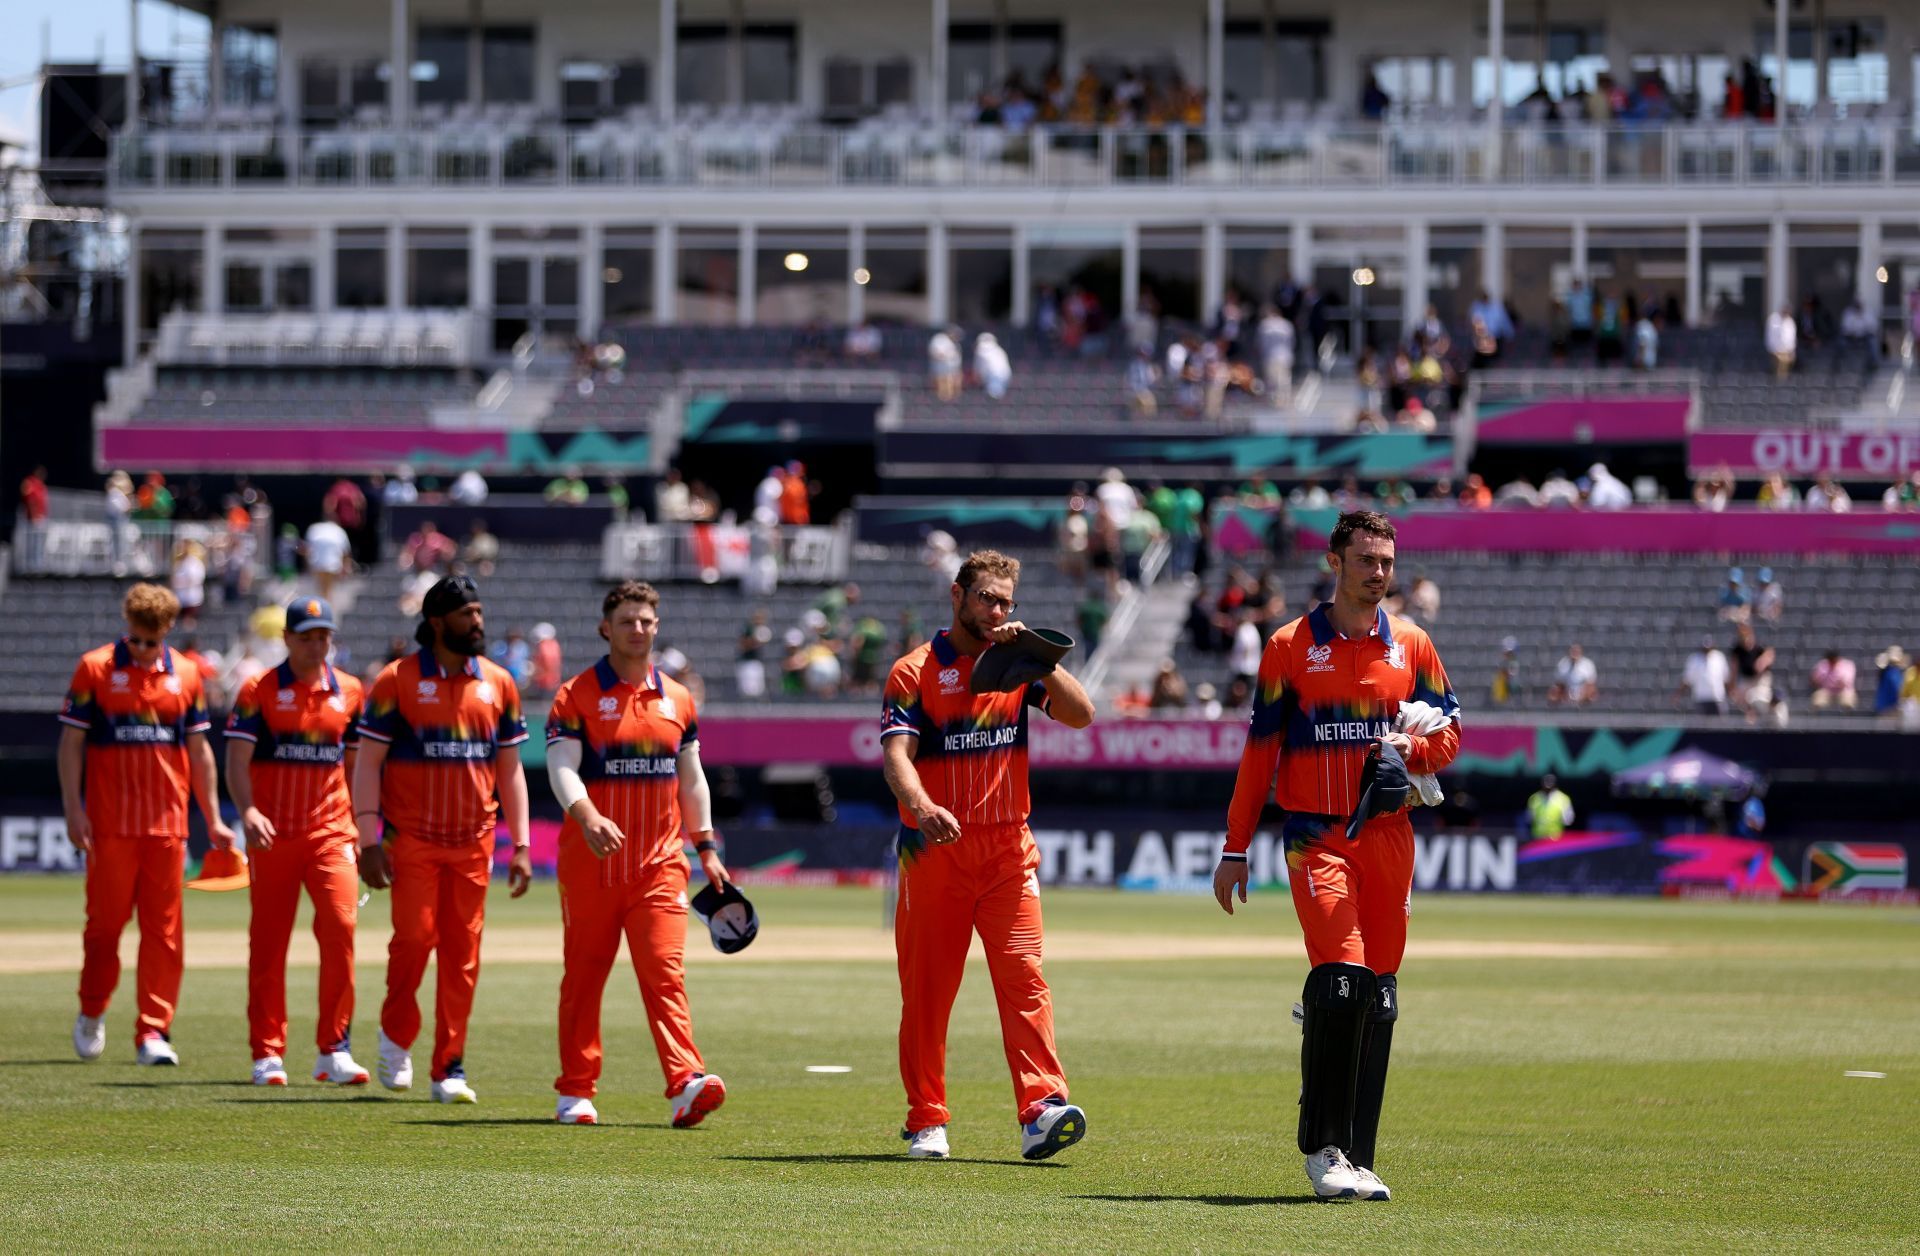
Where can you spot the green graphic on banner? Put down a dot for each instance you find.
(1603, 755)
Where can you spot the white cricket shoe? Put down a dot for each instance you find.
(1332, 1174)
(156, 1050)
(89, 1036)
(453, 1088)
(339, 1068)
(269, 1070)
(1371, 1187)
(574, 1110)
(700, 1096)
(1058, 1127)
(396, 1066)
(929, 1143)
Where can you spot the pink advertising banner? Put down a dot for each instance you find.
(1584, 419)
(293, 449)
(1798, 453)
(1644, 530)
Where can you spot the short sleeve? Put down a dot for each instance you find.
(380, 719)
(512, 728)
(1430, 683)
(198, 718)
(691, 737)
(356, 697)
(246, 721)
(900, 708)
(82, 708)
(1270, 689)
(1037, 696)
(564, 722)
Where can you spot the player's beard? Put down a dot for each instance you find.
(971, 623)
(472, 644)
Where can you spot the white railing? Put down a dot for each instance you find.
(714, 552)
(142, 547)
(342, 337)
(1876, 151)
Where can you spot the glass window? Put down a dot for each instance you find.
(969, 60)
(436, 268)
(1085, 258)
(700, 65)
(360, 277)
(369, 84)
(1733, 273)
(800, 277)
(1170, 273)
(981, 270)
(896, 286)
(630, 85)
(319, 91)
(1821, 262)
(293, 288)
(170, 270)
(251, 60)
(626, 281)
(1258, 263)
(893, 82)
(582, 89)
(1032, 49)
(845, 85)
(1650, 263)
(560, 278)
(769, 53)
(246, 287)
(707, 289)
(506, 64)
(1453, 271)
(1539, 272)
(440, 65)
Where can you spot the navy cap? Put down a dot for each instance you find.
(731, 921)
(1384, 787)
(309, 612)
(1031, 655)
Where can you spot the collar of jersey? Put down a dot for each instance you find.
(1324, 631)
(430, 666)
(610, 679)
(284, 673)
(123, 656)
(943, 649)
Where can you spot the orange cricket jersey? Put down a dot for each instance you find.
(301, 732)
(972, 755)
(137, 722)
(1321, 699)
(442, 733)
(631, 738)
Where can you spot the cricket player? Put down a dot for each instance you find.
(291, 738)
(133, 748)
(1329, 688)
(623, 755)
(440, 738)
(957, 763)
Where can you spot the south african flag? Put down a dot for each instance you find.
(1843, 867)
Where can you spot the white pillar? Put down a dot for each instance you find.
(666, 269)
(325, 243)
(1496, 53)
(1415, 291)
(133, 73)
(130, 306)
(1300, 251)
(1213, 268)
(480, 272)
(213, 266)
(1780, 68)
(749, 284)
(593, 288)
(1778, 288)
(1022, 277)
(1129, 270)
(1493, 260)
(1865, 286)
(1579, 259)
(399, 65)
(1696, 281)
(664, 90)
(937, 69)
(396, 266)
(939, 276)
(856, 260)
(1216, 62)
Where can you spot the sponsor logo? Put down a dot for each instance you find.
(1396, 657)
(429, 691)
(1319, 658)
(1346, 986)
(609, 708)
(949, 680)
(284, 697)
(484, 690)
(119, 680)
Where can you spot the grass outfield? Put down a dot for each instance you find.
(1630, 1075)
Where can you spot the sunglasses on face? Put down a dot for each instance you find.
(151, 643)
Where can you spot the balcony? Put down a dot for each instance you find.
(776, 153)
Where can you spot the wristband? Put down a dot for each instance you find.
(1232, 857)
(702, 847)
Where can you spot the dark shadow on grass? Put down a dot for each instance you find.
(182, 1082)
(828, 1157)
(1218, 1201)
(454, 1123)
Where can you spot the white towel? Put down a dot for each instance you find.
(1420, 719)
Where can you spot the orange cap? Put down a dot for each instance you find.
(221, 870)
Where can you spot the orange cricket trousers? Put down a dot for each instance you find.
(125, 874)
(652, 912)
(1353, 898)
(324, 866)
(988, 881)
(439, 904)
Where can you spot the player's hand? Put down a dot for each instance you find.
(603, 835)
(259, 830)
(221, 836)
(1005, 632)
(1229, 876)
(1400, 742)
(937, 825)
(520, 871)
(715, 870)
(374, 868)
(80, 832)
